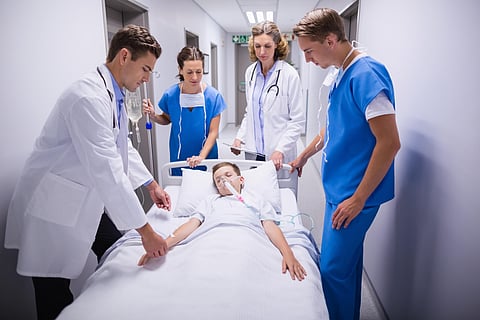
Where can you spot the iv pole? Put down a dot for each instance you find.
(148, 126)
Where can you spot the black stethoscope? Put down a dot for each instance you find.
(273, 86)
(108, 91)
(105, 83)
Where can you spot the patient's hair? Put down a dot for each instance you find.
(219, 165)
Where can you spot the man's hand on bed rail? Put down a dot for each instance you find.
(154, 245)
(297, 164)
(159, 196)
(315, 146)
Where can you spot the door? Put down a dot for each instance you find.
(214, 65)
(243, 61)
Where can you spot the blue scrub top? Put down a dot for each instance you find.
(349, 140)
(190, 127)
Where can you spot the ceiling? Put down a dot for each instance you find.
(230, 13)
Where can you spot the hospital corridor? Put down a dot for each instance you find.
(107, 105)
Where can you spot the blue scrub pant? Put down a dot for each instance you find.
(341, 263)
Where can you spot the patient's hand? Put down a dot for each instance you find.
(294, 267)
(143, 260)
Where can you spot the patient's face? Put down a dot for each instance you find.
(227, 173)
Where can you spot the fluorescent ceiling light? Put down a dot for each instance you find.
(260, 17)
(270, 15)
(250, 16)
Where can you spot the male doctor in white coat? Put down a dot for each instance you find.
(81, 177)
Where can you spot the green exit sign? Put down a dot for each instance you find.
(240, 38)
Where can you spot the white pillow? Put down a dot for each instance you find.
(262, 181)
(197, 185)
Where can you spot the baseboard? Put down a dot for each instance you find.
(376, 300)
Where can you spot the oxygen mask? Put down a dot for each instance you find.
(227, 183)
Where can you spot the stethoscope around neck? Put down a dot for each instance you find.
(273, 87)
(110, 94)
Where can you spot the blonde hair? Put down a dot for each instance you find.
(271, 29)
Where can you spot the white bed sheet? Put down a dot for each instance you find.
(227, 272)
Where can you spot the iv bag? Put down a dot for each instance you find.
(133, 102)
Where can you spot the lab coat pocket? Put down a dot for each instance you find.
(58, 200)
(284, 108)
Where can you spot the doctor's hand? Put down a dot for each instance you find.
(154, 245)
(237, 144)
(277, 159)
(159, 196)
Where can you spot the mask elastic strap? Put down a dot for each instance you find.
(179, 133)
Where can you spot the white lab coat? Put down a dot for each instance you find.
(284, 116)
(73, 173)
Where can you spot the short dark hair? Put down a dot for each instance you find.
(136, 39)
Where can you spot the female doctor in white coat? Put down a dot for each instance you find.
(83, 165)
(274, 116)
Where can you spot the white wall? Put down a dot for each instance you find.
(423, 253)
(47, 45)
(43, 51)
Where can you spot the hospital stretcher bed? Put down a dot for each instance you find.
(228, 272)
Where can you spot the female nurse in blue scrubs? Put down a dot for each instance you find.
(193, 108)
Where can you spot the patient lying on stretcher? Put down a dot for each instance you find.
(229, 199)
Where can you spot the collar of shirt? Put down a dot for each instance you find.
(261, 81)
(259, 73)
(119, 93)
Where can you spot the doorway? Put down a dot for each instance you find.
(350, 20)
(243, 61)
(191, 39)
(214, 65)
